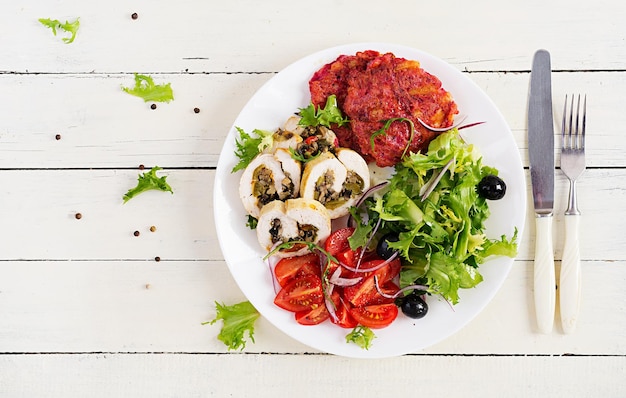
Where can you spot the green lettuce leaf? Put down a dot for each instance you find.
(148, 181)
(247, 147)
(238, 319)
(361, 336)
(146, 89)
(330, 114)
(69, 27)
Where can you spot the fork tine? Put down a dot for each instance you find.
(563, 123)
(576, 138)
(582, 137)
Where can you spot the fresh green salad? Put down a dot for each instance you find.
(432, 213)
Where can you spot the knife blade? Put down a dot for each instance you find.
(541, 157)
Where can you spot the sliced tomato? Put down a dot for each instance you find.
(375, 316)
(337, 242)
(313, 316)
(290, 268)
(389, 288)
(364, 292)
(301, 294)
(348, 257)
(342, 312)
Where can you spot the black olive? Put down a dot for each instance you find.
(383, 249)
(491, 187)
(414, 306)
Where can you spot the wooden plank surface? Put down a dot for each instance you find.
(101, 126)
(181, 375)
(251, 36)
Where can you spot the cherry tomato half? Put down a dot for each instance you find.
(301, 294)
(375, 316)
(290, 268)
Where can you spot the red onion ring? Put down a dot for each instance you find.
(399, 292)
(350, 221)
(337, 280)
(374, 268)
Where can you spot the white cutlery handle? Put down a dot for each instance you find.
(570, 278)
(544, 279)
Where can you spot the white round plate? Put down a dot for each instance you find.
(268, 109)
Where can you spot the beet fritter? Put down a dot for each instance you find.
(372, 88)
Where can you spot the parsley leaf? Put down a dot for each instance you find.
(148, 181)
(70, 27)
(247, 146)
(238, 319)
(330, 114)
(146, 89)
(361, 336)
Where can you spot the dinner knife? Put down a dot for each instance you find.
(541, 157)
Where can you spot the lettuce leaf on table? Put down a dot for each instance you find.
(238, 319)
(146, 182)
(70, 27)
(146, 89)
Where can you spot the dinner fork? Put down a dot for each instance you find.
(572, 165)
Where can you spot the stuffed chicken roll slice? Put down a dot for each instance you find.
(292, 220)
(269, 177)
(335, 180)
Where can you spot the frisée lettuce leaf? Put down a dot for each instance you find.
(323, 116)
(441, 236)
(248, 146)
(148, 181)
(238, 320)
(69, 27)
(146, 89)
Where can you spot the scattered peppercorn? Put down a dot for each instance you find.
(134, 15)
(141, 167)
(153, 106)
(136, 233)
(196, 110)
(148, 286)
(152, 228)
(78, 216)
(157, 259)
(57, 137)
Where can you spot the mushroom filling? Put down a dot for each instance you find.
(315, 141)
(306, 232)
(264, 189)
(352, 186)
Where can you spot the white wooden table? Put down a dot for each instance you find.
(85, 310)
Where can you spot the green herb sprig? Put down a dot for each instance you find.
(385, 128)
